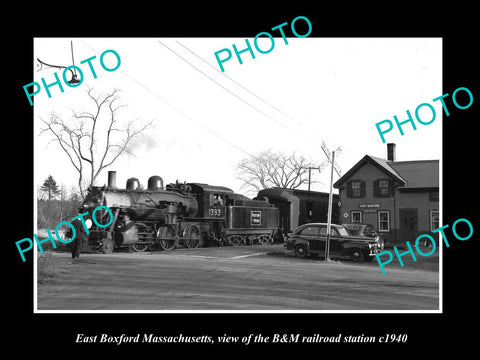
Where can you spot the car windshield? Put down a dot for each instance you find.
(342, 231)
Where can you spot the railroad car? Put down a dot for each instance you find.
(298, 207)
(177, 215)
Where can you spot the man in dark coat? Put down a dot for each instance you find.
(80, 239)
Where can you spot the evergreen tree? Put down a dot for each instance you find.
(50, 187)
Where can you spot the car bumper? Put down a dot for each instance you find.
(374, 252)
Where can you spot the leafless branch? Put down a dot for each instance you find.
(90, 130)
(273, 169)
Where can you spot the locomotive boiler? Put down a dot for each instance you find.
(177, 215)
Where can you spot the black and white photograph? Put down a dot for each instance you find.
(204, 189)
(280, 184)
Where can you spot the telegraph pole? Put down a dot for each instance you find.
(331, 157)
(310, 174)
(309, 177)
(329, 216)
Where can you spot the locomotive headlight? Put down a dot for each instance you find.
(88, 223)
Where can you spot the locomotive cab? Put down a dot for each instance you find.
(212, 200)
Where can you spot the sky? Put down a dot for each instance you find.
(204, 121)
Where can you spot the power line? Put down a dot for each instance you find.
(229, 91)
(236, 82)
(216, 82)
(223, 87)
(246, 89)
(180, 111)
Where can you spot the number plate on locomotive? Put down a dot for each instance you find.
(215, 212)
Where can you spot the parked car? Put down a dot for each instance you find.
(310, 239)
(365, 230)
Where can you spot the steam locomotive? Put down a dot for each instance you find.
(177, 215)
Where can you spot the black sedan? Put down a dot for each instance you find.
(310, 239)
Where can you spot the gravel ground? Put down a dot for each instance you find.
(246, 278)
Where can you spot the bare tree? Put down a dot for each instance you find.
(95, 139)
(274, 169)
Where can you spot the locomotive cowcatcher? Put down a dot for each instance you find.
(179, 215)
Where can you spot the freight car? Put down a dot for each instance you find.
(178, 215)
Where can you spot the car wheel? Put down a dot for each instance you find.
(301, 251)
(357, 255)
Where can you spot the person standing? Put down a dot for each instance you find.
(80, 239)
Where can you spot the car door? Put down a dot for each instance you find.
(336, 242)
(319, 244)
(311, 234)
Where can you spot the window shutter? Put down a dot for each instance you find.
(349, 189)
(376, 190)
(362, 188)
(391, 188)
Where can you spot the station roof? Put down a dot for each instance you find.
(419, 173)
(415, 174)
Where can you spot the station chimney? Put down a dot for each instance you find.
(391, 152)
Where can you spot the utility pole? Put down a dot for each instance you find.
(331, 158)
(309, 177)
(310, 173)
(329, 216)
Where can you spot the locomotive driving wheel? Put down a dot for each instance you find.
(193, 237)
(167, 237)
(139, 247)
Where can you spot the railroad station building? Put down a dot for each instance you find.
(400, 198)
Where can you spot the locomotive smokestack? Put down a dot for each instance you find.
(112, 179)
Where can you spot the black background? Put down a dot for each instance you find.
(427, 333)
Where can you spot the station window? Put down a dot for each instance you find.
(383, 188)
(384, 221)
(355, 189)
(356, 217)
